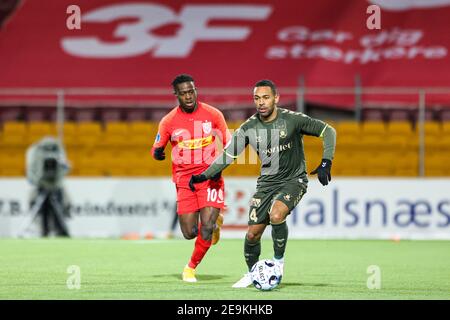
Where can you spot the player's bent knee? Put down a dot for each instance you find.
(188, 235)
(207, 231)
(253, 237)
(276, 218)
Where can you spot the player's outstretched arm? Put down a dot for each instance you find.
(237, 144)
(198, 178)
(201, 178)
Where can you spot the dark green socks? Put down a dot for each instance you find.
(252, 250)
(279, 236)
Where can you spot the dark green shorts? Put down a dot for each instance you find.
(261, 203)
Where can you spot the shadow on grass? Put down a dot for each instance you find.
(204, 277)
(298, 284)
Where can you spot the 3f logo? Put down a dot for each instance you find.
(136, 38)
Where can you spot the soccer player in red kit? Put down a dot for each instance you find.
(191, 128)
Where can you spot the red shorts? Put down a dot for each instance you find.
(207, 194)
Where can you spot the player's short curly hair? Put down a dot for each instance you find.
(181, 78)
(267, 83)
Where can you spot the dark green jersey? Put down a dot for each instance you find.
(278, 144)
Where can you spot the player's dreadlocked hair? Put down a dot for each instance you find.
(180, 79)
(267, 83)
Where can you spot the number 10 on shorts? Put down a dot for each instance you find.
(215, 195)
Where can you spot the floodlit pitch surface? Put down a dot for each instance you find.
(151, 269)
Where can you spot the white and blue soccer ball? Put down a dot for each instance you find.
(266, 275)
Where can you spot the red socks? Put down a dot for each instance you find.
(200, 249)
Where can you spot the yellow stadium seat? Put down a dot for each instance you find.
(432, 142)
(117, 165)
(396, 142)
(373, 128)
(348, 127)
(437, 164)
(89, 127)
(373, 142)
(242, 170)
(406, 172)
(70, 134)
(406, 164)
(312, 143)
(143, 164)
(347, 142)
(350, 163)
(93, 162)
(445, 128)
(115, 134)
(444, 142)
(12, 164)
(15, 134)
(93, 165)
(313, 160)
(379, 165)
(37, 130)
(89, 133)
(349, 171)
(432, 128)
(400, 128)
(117, 127)
(234, 125)
(142, 133)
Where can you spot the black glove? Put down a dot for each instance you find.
(217, 176)
(159, 154)
(323, 172)
(196, 179)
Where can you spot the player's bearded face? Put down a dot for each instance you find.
(187, 95)
(265, 100)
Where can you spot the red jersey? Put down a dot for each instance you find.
(193, 139)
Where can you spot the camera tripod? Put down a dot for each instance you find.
(47, 205)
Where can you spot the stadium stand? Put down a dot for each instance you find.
(121, 148)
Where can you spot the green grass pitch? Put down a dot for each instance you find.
(151, 269)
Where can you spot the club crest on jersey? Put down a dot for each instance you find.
(207, 127)
(281, 126)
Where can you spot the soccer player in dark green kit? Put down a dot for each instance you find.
(276, 136)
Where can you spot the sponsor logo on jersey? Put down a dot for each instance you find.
(158, 138)
(195, 143)
(277, 149)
